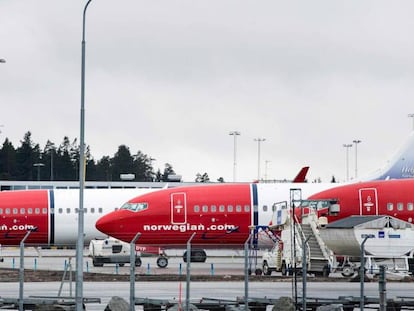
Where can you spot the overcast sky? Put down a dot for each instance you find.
(172, 78)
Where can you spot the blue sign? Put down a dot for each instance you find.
(394, 236)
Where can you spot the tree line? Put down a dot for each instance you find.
(29, 162)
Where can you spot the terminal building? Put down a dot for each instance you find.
(24, 185)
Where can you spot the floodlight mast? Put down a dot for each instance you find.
(234, 134)
(80, 242)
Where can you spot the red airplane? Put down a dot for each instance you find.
(223, 215)
(220, 214)
(52, 215)
(382, 197)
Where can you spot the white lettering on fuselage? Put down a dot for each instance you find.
(188, 227)
(24, 227)
(407, 172)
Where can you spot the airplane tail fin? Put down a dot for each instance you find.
(401, 165)
(301, 176)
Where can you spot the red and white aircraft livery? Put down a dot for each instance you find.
(381, 197)
(223, 215)
(53, 214)
(217, 211)
(220, 214)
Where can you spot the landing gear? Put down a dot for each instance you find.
(197, 255)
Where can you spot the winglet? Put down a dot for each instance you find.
(301, 176)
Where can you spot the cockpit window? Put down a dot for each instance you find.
(316, 204)
(135, 207)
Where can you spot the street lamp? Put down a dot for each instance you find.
(38, 165)
(356, 142)
(411, 115)
(266, 163)
(259, 140)
(234, 134)
(347, 146)
(80, 241)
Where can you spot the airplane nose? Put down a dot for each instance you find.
(105, 224)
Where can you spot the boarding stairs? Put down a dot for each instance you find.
(319, 261)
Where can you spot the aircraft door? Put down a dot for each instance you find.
(178, 208)
(368, 201)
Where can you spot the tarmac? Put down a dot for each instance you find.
(220, 277)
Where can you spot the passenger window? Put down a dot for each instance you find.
(247, 208)
(8, 211)
(222, 208)
(205, 208)
(92, 210)
(15, 211)
(22, 211)
(1, 211)
(100, 210)
(197, 208)
(230, 208)
(76, 210)
(410, 206)
(213, 208)
(390, 206)
(238, 208)
(264, 208)
(400, 206)
(37, 210)
(30, 210)
(60, 210)
(68, 211)
(85, 210)
(44, 210)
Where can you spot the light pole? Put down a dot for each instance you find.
(80, 241)
(411, 115)
(266, 163)
(38, 165)
(51, 164)
(234, 134)
(259, 140)
(356, 142)
(347, 146)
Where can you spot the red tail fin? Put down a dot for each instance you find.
(301, 176)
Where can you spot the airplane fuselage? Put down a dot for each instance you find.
(220, 214)
(54, 214)
(390, 197)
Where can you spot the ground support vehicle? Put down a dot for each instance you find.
(111, 251)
